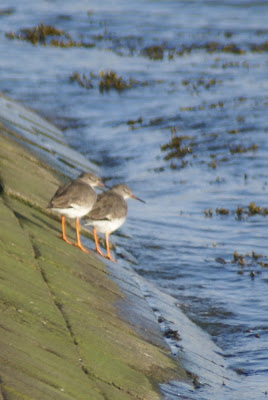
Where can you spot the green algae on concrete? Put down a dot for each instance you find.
(61, 334)
(38, 359)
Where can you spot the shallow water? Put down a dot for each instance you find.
(218, 100)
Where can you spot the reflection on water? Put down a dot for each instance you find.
(203, 98)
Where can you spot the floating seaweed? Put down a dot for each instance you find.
(156, 121)
(106, 81)
(208, 213)
(240, 212)
(249, 263)
(82, 80)
(38, 34)
(109, 80)
(222, 211)
(233, 131)
(201, 82)
(260, 48)
(212, 47)
(134, 121)
(219, 104)
(47, 35)
(155, 52)
(213, 164)
(177, 150)
(253, 209)
(241, 149)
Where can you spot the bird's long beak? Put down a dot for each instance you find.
(137, 198)
(101, 184)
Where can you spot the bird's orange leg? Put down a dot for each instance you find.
(108, 255)
(78, 242)
(63, 236)
(98, 250)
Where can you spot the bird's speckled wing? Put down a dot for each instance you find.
(74, 192)
(108, 206)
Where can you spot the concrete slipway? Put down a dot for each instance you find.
(73, 326)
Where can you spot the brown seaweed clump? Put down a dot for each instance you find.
(253, 209)
(176, 147)
(47, 35)
(38, 34)
(242, 149)
(208, 213)
(250, 210)
(109, 80)
(134, 121)
(201, 82)
(82, 80)
(222, 211)
(238, 259)
(155, 52)
(249, 263)
(212, 47)
(260, 48)
(240, 212)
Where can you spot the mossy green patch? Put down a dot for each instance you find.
(37, 352)
(23, 175)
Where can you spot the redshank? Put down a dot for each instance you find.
(74, 200)
(108, 214)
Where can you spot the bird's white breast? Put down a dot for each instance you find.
(74, 211)
(107, 226)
